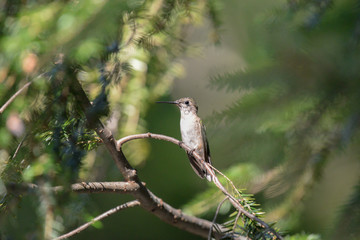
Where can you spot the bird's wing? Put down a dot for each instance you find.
(197, 167)
(205, 144)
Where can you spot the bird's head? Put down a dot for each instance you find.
(185, 104)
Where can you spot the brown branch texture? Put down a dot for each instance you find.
(147, 199)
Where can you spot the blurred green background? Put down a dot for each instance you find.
(277, 84)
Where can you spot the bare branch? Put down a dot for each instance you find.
(123, 140)
(209, 168)
(18, 147)
(147, 199)
(98, 218)
(110, 187)
(236, 221)
(83, 187)
(104, 133)
(215, 216)
(2, 109)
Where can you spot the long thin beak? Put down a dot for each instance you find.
(170, 102)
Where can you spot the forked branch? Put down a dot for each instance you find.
(216, 181)
(147, 199)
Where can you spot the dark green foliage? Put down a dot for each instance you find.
(298, 106)
(349, 218)
(297, 109)
(214, 11)
(123, 54)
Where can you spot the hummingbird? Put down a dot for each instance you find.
(193, 135)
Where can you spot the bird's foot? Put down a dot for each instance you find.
(191, 152)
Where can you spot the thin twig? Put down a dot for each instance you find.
(231, 183)
(19, 146)
(123, 140)
(2, 109)
(98, 218)
(228, 179)
(236, 220)
(215, 216)
(239, 207)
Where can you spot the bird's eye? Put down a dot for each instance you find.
(187, 102)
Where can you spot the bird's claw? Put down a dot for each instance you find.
(191, 152)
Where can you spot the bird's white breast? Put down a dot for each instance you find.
(189, 129)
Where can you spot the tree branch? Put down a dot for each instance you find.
(209, 168)
(128, 172)
(216, 214)
(83, 187)
(98, 218)
(2, 109)
(110, 187)
(148, 200)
